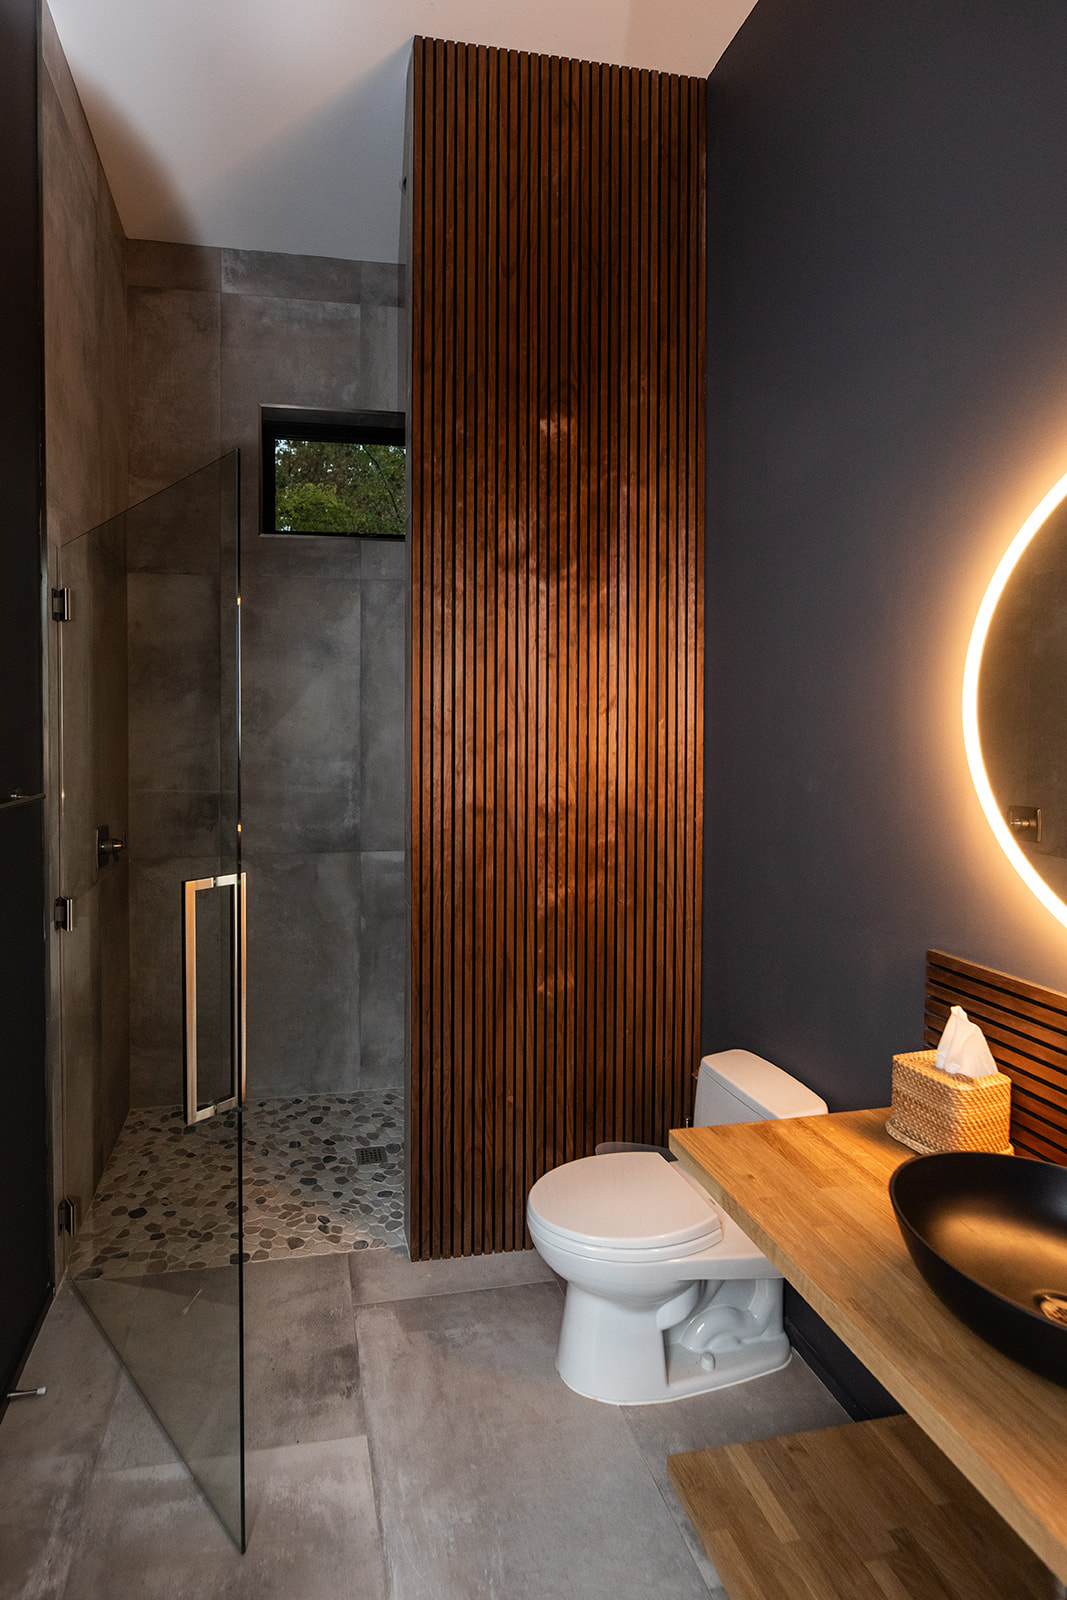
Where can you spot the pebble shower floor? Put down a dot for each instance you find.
(165, 1201)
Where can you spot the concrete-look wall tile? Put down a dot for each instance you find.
(152, 264)
(86, 482)
(180, 528)
(311, 805)
(173, 676)
(383, 283)
(156, 993)
(155, 1074)
(303, 973)
(284, 277)
(82, 1069)
(111, 397)
(387, 560)
(91, 739)
(85, 341)
(237, 330)
(381, 380)
(113, 1098)
(94, 977)
(78, 143)
(383, 745)
(278, 352)
(300, 555)
(165, 822)
(286, 352)
(301, 714)
(384, 942)
(174, 385)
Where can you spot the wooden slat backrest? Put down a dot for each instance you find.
(1026, 1028)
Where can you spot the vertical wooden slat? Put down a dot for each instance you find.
(556, 489)
(1026, 1029)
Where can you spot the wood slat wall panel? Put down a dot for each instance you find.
(556, 287)
(1026, 1029)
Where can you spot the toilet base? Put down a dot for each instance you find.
(621, 1354)
(686, 1377)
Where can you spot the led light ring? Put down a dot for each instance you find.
(1003, 835)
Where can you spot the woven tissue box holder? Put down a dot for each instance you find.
(934, 1110)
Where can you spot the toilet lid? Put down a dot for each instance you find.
(629, 1200)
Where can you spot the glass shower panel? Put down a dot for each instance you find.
(149, 683)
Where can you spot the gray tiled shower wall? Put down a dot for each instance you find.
(86, 482)
(213, 335)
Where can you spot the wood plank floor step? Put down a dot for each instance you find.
(869, 1509)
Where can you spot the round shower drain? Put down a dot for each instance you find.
(1053, 1305)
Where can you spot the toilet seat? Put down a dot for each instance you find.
(629, 1206)
(665, 1255)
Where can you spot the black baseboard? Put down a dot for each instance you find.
(843, 1373)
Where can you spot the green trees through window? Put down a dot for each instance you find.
(332, 472)
(339, 487)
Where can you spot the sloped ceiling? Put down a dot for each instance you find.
(279, 124)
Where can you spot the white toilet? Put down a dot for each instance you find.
(665, 1295)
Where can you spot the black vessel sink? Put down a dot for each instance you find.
(989, 1235)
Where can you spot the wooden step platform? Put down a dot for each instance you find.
(871, 1509)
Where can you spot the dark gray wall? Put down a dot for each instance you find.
(888, 398)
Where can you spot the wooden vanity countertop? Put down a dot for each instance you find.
(813, 1193)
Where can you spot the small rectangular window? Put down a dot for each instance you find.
(333, 473)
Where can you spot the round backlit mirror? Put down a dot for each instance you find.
(1015, 702)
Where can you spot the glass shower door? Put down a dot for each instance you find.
(152, 957)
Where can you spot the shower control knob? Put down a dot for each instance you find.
(108, 848)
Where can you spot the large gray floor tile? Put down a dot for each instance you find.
(48, 1450)
(301, 1366)
(77, 1366)
(42, 1512)
(382, 1275)
(179, 1337)
(493, 1478)
(313, 1524)
(148, 1534)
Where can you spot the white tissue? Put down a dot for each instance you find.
(963, 1048)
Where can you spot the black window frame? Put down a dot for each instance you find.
(330, 427)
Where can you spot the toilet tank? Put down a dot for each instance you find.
(736, 1086)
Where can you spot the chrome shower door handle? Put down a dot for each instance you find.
(234, 884)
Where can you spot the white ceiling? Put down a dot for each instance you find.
(279, 124)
